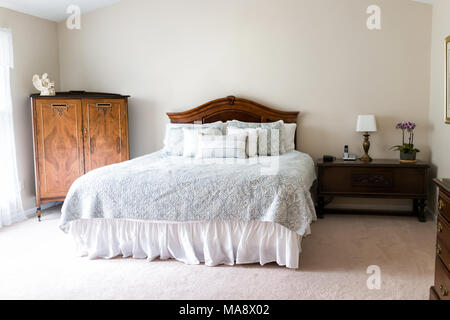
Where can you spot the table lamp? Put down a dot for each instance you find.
(366, 123)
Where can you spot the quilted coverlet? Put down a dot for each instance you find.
(171, 188)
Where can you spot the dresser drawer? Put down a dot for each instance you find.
(444, 205)
(373, 181)
(443, 232)
(442, 280)
(443, 253)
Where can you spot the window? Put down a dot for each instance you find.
(10, 202)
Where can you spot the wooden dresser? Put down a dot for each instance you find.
(73, 133)
(440, 290)
(377, 179)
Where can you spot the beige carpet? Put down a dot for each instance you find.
(37, 261)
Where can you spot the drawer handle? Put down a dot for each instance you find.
(439, 227)
(444, 291)
(441, 205)
(438, 249)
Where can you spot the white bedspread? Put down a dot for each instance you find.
(157, 187)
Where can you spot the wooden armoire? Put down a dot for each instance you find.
(75, 132)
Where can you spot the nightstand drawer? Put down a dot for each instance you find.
(372, 181)
(444, 205)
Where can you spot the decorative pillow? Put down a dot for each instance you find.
(192, 137)
(252, 142)
(268, 142)
(242, 124)
(265, 125)
(289, 136)
(174, 138)
(229, 146)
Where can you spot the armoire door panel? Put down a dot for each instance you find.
(105, 132)
(59, 145)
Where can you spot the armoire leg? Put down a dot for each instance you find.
(39, 213)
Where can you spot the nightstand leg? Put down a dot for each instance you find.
(422, 210)
(416, 207)
(320, 207)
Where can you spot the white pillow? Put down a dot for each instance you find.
(229, 146)
(268, 142)
(289, 136)
(252, 142)
(192, 136)
(174, 138)
(265, 125)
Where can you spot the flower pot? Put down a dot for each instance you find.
(408, 157)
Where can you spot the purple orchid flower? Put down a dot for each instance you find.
(409, 127)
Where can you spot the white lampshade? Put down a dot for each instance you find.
(366, 123)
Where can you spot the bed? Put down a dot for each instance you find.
(216, 211)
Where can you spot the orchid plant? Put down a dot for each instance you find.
(407, 145)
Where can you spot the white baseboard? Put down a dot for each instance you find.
(32, 212)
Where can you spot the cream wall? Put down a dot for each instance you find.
(316, 57)
(439, 135)
(35, 44)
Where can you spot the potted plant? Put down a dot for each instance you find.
(407, 150)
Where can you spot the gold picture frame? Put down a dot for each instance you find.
(447, 80)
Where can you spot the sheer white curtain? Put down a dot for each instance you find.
(10, 202)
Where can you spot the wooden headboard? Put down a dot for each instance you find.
(232, 108)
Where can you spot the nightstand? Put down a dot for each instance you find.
(377, 179)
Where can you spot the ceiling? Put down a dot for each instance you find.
(54, 10)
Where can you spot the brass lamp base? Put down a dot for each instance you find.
(366, 158)
(366, 147)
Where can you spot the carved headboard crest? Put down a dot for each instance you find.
(231, 99)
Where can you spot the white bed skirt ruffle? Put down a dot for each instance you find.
(211, 242)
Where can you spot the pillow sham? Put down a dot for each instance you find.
(289, 136)
(268, 142)
(278, 125)
(251, 148)
(174, 138)
(229, 146)
(192, 136)
(242, 124)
